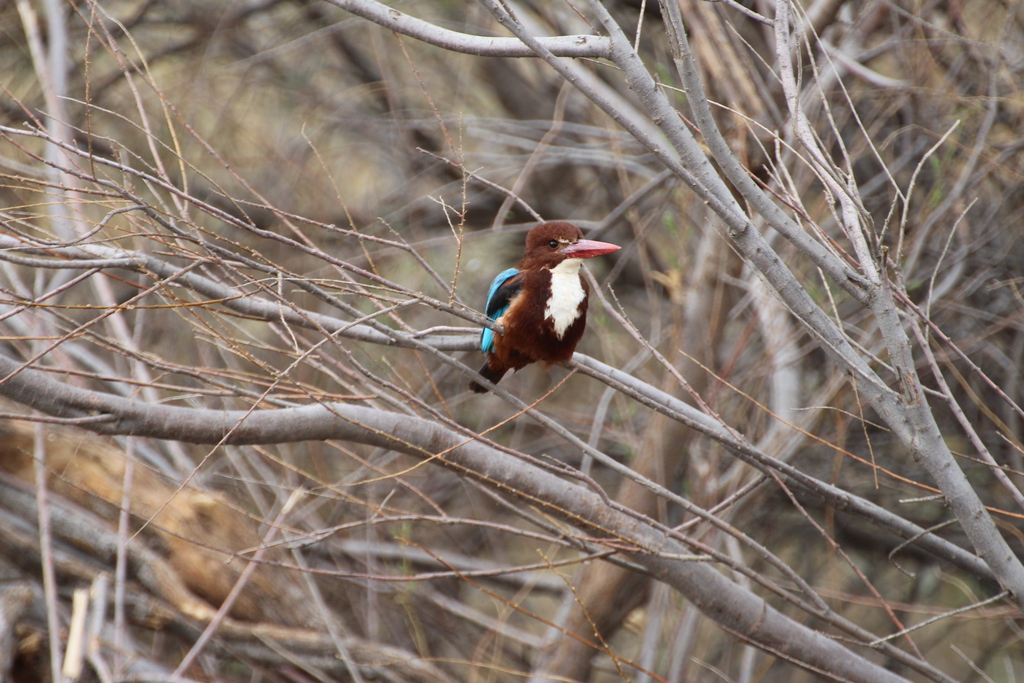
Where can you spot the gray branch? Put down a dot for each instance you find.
(907, 412)
(660, 401)
(482, 46)
(729, 605)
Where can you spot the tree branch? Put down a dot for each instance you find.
(723, 601)
(594, 47)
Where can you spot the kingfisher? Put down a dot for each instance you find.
(541, 303)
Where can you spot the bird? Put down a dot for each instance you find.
(541, 304)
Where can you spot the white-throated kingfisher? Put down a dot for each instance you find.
(541, 303)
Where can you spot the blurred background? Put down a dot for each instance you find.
(216, 137)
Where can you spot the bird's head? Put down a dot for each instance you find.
(549, 244)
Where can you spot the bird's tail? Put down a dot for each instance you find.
(488, 373)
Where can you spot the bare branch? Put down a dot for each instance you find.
(738, 610)
(594, 47)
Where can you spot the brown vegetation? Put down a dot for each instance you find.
(243, 251)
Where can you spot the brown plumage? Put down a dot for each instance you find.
(541, 303)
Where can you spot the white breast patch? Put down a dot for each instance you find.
(563, 307)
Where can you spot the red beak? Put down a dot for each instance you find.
(589, 249)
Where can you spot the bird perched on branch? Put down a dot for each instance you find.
(541, 303)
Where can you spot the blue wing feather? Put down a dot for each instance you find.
(487, 340)
(503, 289)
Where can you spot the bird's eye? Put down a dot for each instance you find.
(553, 244)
